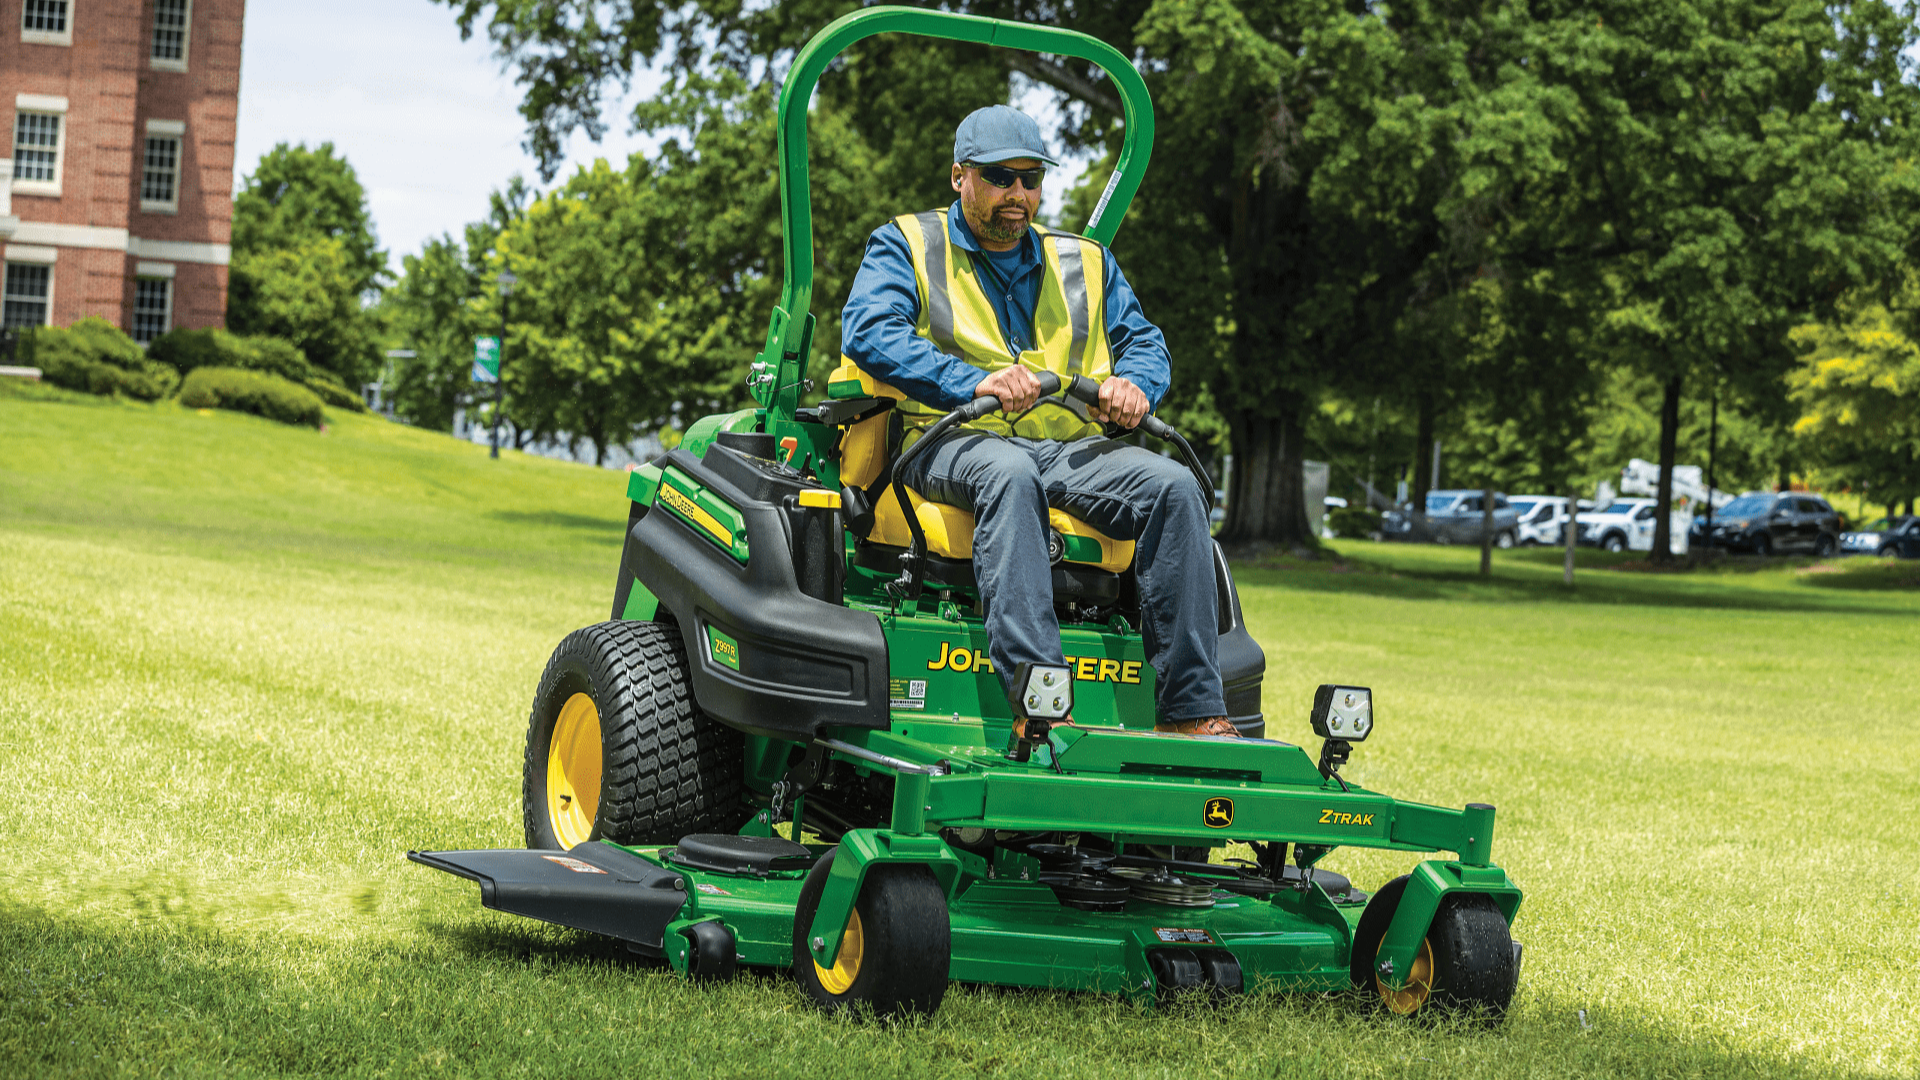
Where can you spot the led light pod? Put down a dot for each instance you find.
(1343, 712)
(1042, 692)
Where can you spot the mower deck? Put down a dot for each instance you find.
(1008, 930)
(1136, 791)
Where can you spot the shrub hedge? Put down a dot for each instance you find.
(93, 356)
(256, 392)
(1352, 522)
(187, 351)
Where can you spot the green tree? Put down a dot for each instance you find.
(1323, 221)
(443, 299)
(1724, 167)
(1348, 193)
(1858, 386)
(643, 291)
(306, 265)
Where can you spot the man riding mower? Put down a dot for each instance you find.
(878, 697)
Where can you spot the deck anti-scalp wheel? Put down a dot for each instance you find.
(896, 949)
(1466, 961)
(616, 748)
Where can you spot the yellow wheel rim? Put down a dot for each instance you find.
(846, 966)
(573, 771)
(1418, 986)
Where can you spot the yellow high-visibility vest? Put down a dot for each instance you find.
(1069, 323)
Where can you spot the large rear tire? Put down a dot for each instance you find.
(897, 948)
(616, 748)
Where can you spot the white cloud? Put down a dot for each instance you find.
(428, 121)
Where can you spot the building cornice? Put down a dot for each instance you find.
(92, 236)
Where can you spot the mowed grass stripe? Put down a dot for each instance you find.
(230, 708)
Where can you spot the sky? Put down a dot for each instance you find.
(429, 122)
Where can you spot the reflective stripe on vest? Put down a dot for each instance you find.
(1069, 325)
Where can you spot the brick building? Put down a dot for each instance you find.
(117, 197)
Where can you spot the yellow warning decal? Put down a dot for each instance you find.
(692, 511)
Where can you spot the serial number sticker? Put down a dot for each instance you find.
(573, 864)
(711, 890)
(906, 693)
(1177, 936)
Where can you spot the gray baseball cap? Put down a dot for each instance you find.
(999, 133)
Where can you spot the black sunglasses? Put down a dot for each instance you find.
(1002, 177)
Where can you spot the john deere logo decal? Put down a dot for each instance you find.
(1219, 813)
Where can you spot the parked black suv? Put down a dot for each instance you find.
(1769, 523)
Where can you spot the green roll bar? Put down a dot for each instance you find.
(778, 370)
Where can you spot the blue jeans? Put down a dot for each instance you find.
(1127, 492)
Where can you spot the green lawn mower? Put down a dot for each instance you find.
(796, 646)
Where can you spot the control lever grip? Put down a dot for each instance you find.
(977, 408)
(1084, 389)
(986, 403)
(1156, 427)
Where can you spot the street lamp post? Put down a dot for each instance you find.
(507, 281)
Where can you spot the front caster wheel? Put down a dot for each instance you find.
(1466, 962)
(896, 949)
(616, 748)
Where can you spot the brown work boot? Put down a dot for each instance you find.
(1206, 725)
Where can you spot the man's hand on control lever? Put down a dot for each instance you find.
(1121, 403)
(1015, 386)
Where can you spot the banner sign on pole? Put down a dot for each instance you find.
(486, 359)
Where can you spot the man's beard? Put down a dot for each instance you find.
(1003, 230)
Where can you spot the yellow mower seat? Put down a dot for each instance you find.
(949, 529)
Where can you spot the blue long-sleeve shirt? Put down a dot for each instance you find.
(877, 327)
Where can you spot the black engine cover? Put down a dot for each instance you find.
(805, 664)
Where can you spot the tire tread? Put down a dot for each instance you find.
(667, 769)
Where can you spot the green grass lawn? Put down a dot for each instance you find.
(244, 668)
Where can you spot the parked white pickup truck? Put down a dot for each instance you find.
(1625, 525)
(1542, 517)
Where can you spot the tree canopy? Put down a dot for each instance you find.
(1463, 216)
(1858, 382)
(305, 261)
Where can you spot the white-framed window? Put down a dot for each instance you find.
(28, 296)
(160, 167)
(172, 19)
(38, 148)
(152, 307)
(46, 22)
